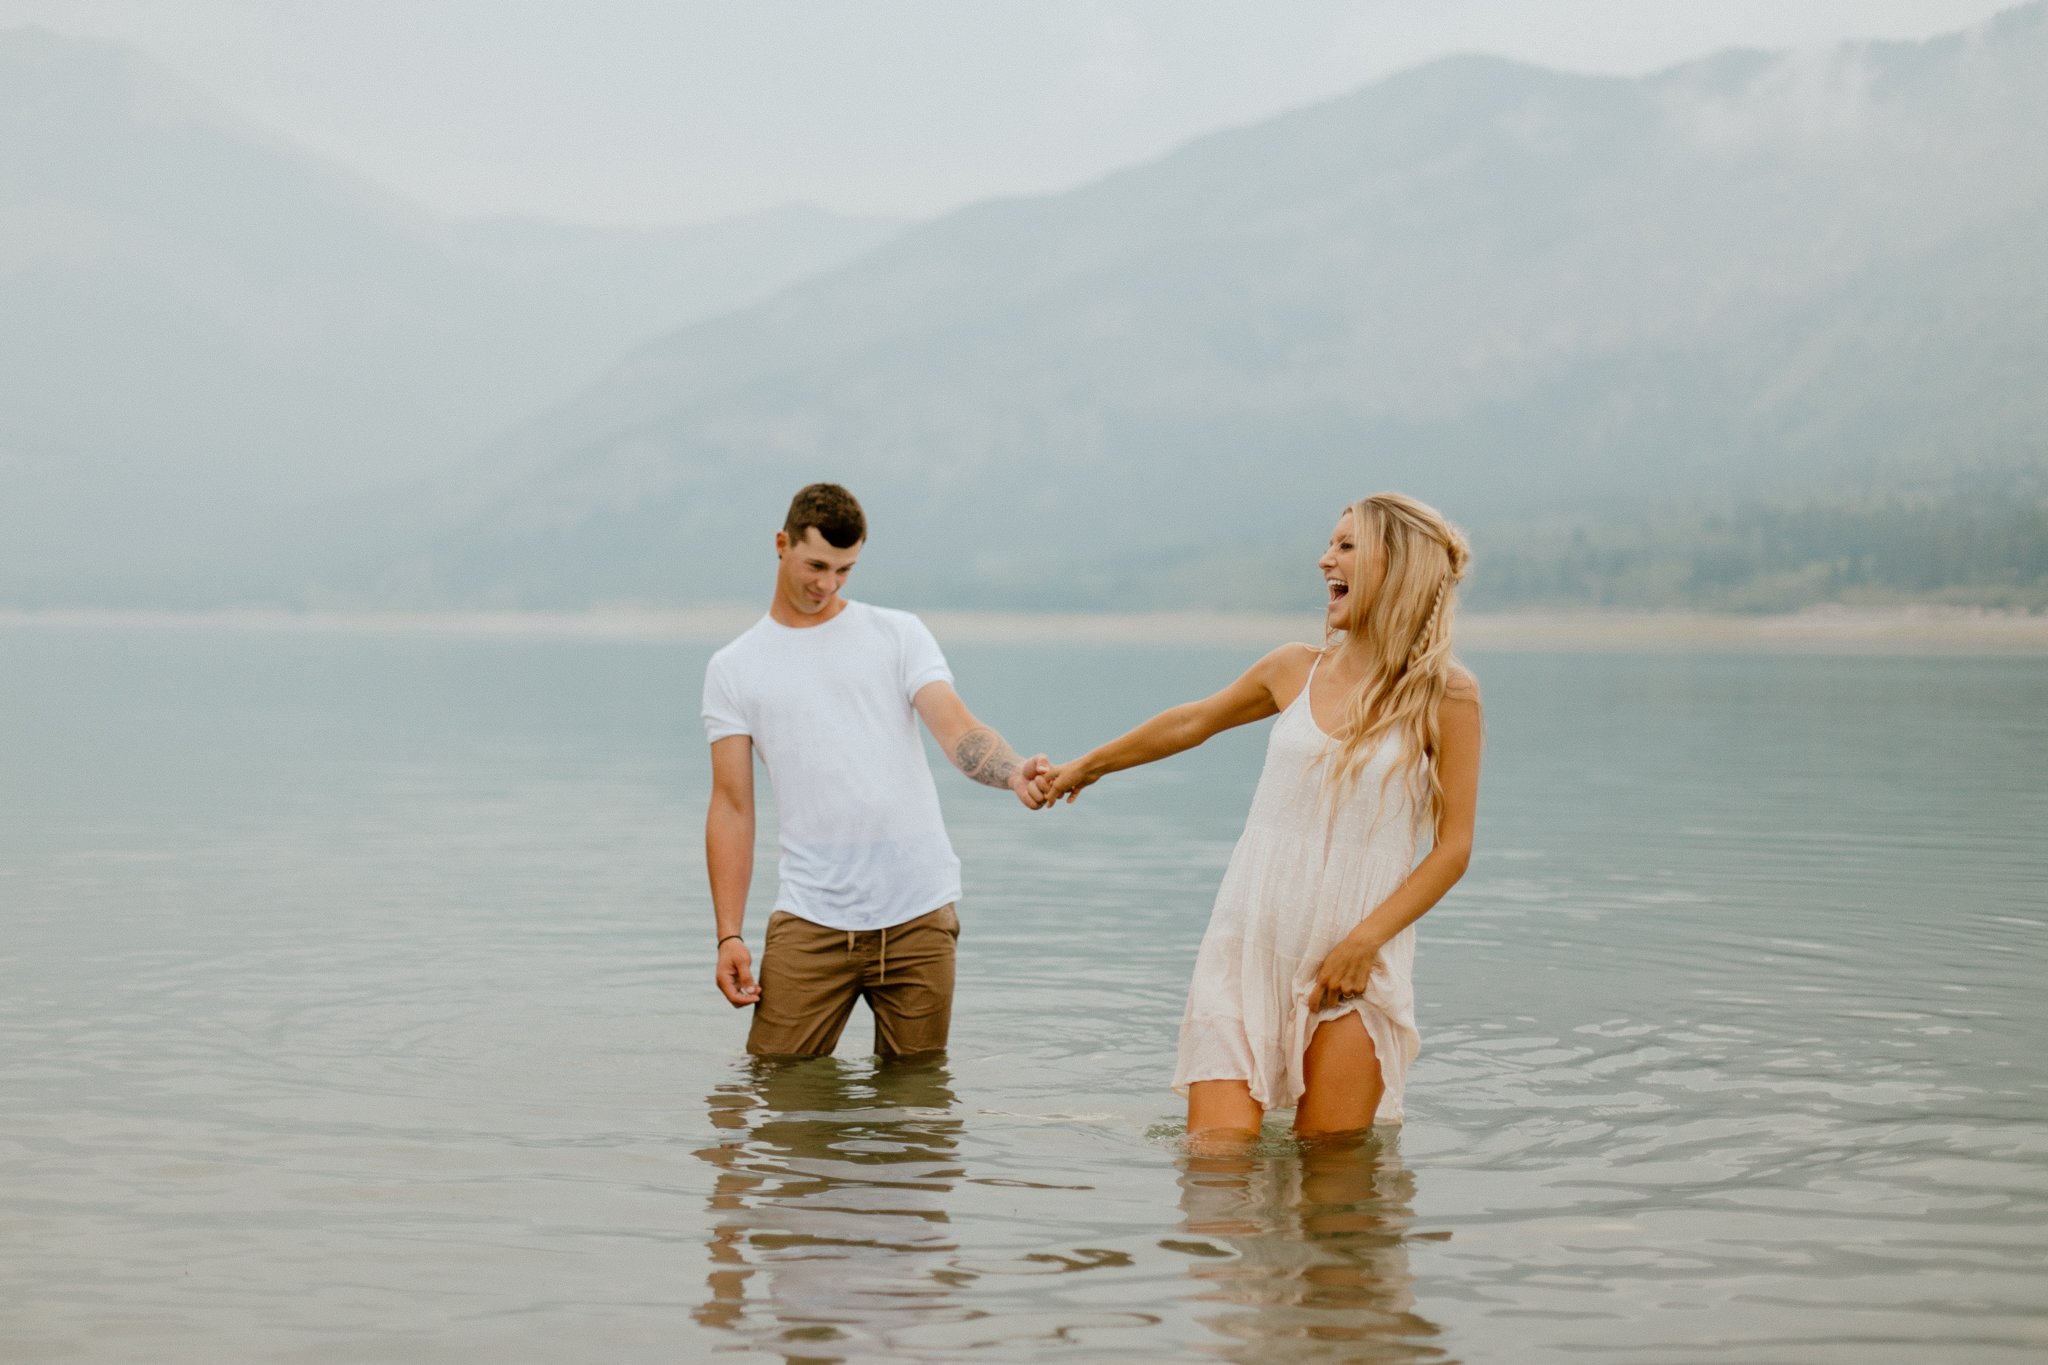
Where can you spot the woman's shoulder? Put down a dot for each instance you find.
(1460, 684)
(1289, 658)
(1284, 671)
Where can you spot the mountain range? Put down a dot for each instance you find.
(1532, 297)
(204, 328)
(1519, 293)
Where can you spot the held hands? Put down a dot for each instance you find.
(736, 974)
(1067, 780)
(1345, 972)
(1039, 784)
(1029, 782)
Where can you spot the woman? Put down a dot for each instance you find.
(1301, 996)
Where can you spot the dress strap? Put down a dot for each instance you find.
(1311, 682)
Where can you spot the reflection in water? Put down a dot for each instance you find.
(1319, 1234)
(829, 1226)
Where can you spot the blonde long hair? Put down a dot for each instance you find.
(1402, 634)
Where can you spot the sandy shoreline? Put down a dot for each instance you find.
(1918, 630)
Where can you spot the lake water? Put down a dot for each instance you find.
(355, 1006)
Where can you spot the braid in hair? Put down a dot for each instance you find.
(1427, 634)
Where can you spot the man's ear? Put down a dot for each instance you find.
(781, 543)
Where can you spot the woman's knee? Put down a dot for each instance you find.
(1223, 1111)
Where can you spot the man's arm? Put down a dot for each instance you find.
(729, 854)
(975, 749)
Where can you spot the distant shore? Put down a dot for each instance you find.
(1840, 630)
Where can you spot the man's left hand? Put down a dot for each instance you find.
(1028, 782)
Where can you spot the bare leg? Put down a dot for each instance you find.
(1341, 1081)
(1222, 1116)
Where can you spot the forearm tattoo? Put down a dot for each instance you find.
(984, 756)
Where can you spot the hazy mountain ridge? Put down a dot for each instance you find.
(1514, 291)
(647, 279)
(1536, 298)
(1976, 537)
(202, 326)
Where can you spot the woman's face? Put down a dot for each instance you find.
(1349, 571)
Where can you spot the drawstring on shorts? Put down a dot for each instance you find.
(883, 978)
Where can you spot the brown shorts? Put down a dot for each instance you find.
(811, 975)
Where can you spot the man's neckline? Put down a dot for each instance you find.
(837, 616)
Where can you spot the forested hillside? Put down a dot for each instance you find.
(1979, 539)
(1532, 297)
(1730, 334)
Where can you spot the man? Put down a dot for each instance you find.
(829, 691)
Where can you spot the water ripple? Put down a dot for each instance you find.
(356, 1007)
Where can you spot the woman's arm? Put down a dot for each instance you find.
(1250, 698)
(1349, 966)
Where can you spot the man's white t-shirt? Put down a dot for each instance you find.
(829, 710)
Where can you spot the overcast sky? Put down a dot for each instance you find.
(654, 111)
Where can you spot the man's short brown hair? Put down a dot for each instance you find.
(834, 511)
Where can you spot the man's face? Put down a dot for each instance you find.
(813, 570)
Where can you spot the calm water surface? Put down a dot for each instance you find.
(355, 1006)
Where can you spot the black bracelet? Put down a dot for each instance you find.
(721, 942)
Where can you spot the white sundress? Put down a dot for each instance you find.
(1297, 883)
